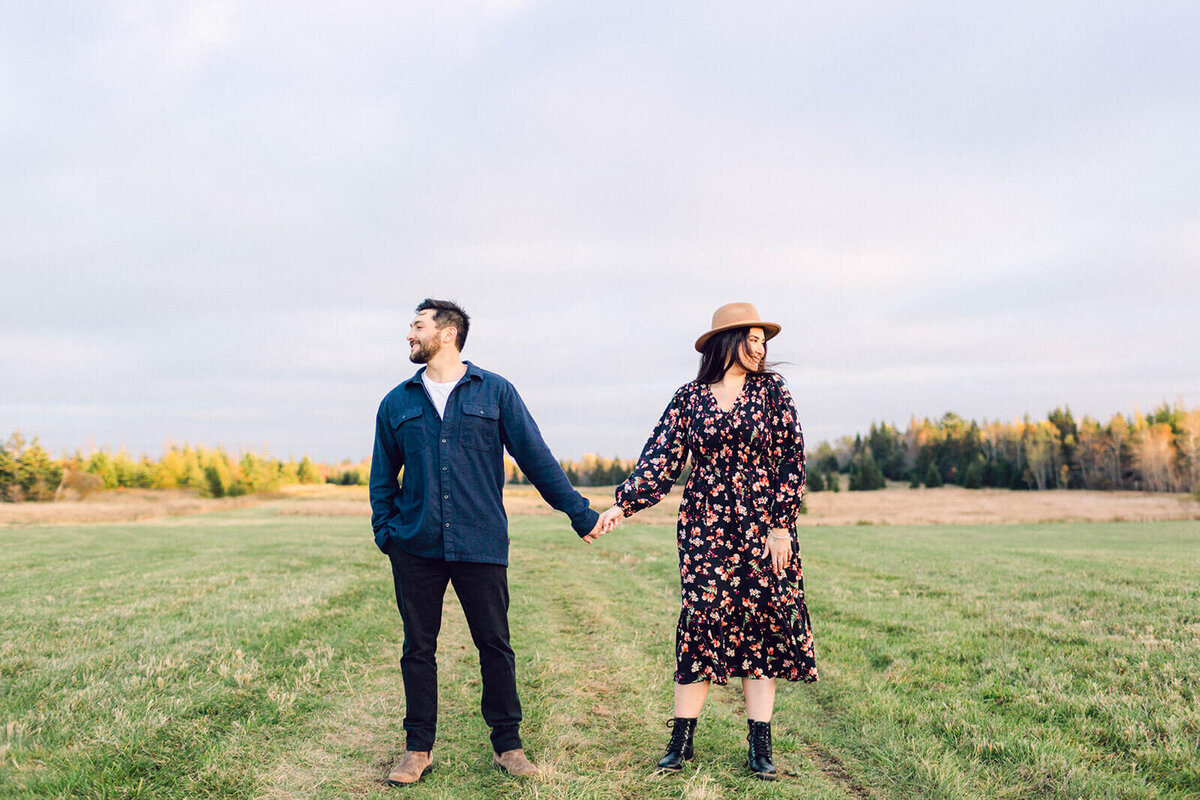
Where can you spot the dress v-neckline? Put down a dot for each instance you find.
(717, 402)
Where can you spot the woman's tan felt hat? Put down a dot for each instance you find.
(737, 315)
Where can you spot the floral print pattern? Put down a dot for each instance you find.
(738, 619)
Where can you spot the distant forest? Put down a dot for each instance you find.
(27, 471)
(1159, 452)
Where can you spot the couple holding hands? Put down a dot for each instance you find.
(743, 613)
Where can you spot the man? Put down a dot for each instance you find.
(447, 427)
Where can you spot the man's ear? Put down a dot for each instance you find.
(449, 334)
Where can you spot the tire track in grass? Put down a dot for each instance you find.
(822, 759)
(835, 770)
(348, 749)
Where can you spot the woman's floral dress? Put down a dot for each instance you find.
(738, 618)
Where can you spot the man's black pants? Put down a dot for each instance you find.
(482, 590)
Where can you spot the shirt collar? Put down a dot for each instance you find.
(472, 372)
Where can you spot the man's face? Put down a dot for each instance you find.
(424, 338)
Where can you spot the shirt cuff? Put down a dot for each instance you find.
(584, 522)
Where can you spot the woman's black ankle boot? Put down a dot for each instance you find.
(679, 749)
(759, 757)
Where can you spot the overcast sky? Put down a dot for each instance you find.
(216, 218)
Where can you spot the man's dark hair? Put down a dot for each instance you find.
(446, 313)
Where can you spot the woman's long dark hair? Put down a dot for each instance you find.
(721, 350)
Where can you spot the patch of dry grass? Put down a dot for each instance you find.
(947, 505)
(119, 505)
(896, 505)
(954, 505)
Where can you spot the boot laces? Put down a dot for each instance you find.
(760, 740)
(679, 735)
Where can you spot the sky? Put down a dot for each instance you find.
(216, 219)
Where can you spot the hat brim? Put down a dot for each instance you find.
(770, 330)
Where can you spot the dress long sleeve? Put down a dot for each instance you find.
(661, 461)
(785, 454)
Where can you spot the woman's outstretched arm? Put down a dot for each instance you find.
(658, 468)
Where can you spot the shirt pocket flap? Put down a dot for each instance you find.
(402, 415)
(481, 410)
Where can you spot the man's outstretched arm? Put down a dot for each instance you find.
(521, 437)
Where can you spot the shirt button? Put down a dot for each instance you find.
(445, 497)
(443, 441)
(445, 468)
(447, 524)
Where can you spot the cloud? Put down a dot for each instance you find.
(217, 218)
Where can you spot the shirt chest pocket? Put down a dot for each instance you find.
(480, 426)
(410, 429)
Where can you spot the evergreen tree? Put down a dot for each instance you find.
(973, 475)
(887, 447)
(216, 488)
(619, 473)
(8, 474)
(872, 477)
(864, 473)
(933, 478)
(825, 457)
(815, 482)
(855, 475)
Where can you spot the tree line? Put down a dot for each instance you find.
(1158, 452)
(28, 472)
(591, 470)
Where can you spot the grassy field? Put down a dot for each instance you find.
(248, 654)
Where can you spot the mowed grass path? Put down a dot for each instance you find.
(245, 654)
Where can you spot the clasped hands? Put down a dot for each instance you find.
(608, 520)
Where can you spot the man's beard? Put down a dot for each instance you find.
(425, 351)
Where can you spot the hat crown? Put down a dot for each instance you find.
(735, 314)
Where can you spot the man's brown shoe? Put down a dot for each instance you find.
(514, 762)
(411, 769)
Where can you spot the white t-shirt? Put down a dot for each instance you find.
(438, 392)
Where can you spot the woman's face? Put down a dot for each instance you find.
(754, 348)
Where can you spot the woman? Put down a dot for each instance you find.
(743, 611)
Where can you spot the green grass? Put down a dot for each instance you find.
(244, 654)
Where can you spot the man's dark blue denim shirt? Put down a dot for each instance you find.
(450, 504)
